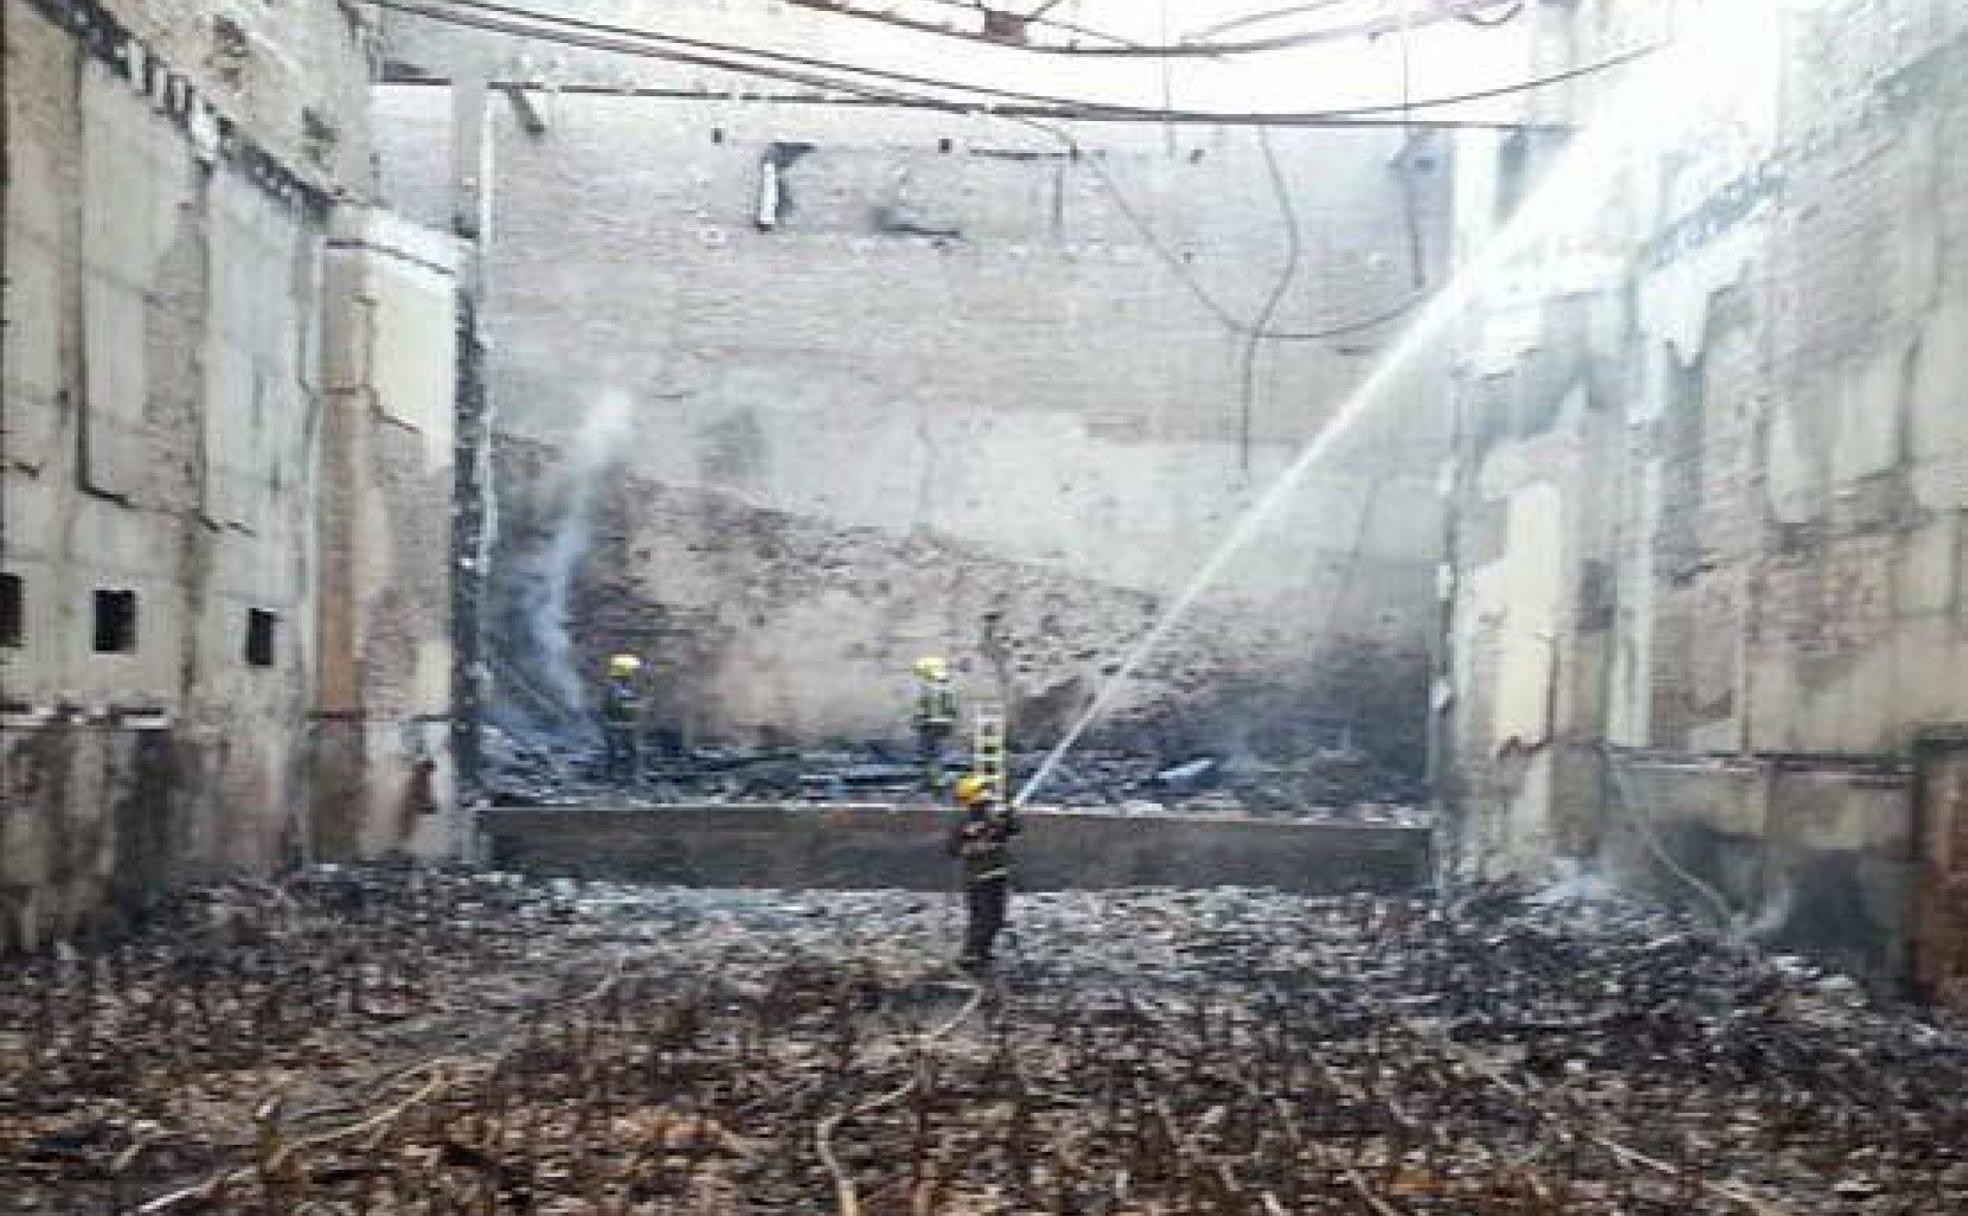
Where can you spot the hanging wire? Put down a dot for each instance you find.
(524, 22)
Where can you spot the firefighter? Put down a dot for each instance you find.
(981, 840)
(935, 717)
(621, 714)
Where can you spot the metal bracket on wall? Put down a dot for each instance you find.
(531, 120)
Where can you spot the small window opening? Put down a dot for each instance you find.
(13, 612)
(116, 622)
(260, 626)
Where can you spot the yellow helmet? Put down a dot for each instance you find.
(971, 789)
(623, 665)
(932, 668)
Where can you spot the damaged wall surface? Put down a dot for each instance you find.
(832, 389)
(382, 726)
(1712, 474)
(168, 191)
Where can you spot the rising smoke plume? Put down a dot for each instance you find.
(541, 677)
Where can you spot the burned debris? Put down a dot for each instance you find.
(1336, 784)
(387, 1041)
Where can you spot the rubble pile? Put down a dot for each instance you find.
(1338, 783)
(385, 1041)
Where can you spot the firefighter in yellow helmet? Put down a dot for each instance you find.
(935, 717)
(621, 719)
(981, 840)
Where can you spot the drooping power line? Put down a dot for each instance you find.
(1197, 47)
(1169, 258)
(524, 22)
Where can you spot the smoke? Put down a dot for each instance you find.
(1772, 917)
(1574, 882)
(545, 674)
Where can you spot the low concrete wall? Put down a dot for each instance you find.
(880, 846)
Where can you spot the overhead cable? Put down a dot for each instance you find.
(604, 36)
(1372, 27)
(844, 96)
(1040, 17)
(1410, 211)
(1496, 20)
(1192, 48)
(1264, 16)
(1294, 249)
(1169, 258)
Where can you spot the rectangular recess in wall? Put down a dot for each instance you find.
(260, 627)
(13, 612)
(116, 622)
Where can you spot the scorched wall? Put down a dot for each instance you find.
(815, 390)
(1712, 477)
(171, 174)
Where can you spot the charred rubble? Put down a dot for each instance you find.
(385, 1041)
(524, 769)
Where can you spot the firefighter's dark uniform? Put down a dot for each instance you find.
(981, 840)
(621, 708)
(936, 720)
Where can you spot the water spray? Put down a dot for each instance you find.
(1570, 195)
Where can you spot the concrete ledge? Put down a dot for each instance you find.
(861, 846)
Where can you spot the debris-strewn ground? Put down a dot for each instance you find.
(389, 1041)
(1339, 783)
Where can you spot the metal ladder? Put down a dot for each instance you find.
(988, 748)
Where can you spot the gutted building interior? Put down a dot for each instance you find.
(967, 606)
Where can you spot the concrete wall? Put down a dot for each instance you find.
(952, 401)
(166, 206)
(382, 731)
(861, 847)
(1711, 472)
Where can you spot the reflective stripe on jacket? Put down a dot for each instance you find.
(936, 705)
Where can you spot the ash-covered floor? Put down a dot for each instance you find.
(385, 1041)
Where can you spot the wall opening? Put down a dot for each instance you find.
(116, 622)
(260, 627)
(13, 612)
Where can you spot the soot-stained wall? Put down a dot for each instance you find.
(172, 178)
(1710, 495)
(946, 397)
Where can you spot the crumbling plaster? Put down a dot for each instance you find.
(160, 417)
(296, 77)
(164, 416)
(1776, 446)
(384, 779)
